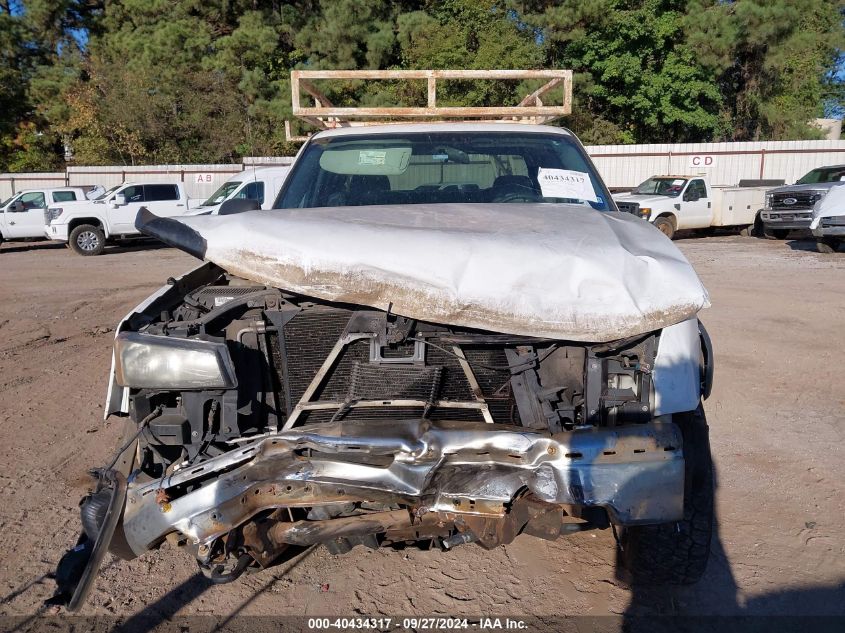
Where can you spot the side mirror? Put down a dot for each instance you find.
(238, 205)
(17, 207)
(118, 201)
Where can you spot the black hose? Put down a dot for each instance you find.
(141, 426)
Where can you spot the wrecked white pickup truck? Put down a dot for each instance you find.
(441, 334)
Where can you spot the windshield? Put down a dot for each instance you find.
(6, 202)
(221, 194)
(824, 174)
(443, 167)
(108, 193)
(661, 187)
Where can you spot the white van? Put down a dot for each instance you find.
(261, 184)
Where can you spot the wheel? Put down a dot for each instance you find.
(677, 553)
(87, 239)
(666, 226)
(827, 245)
(777, 234)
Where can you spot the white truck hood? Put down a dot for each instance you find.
(557, 271)
(645, 200)
(833, 204)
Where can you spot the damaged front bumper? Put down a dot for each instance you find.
(477, 481)
(636, 473)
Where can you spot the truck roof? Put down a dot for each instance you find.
(441, 126)
(68, 188)
(260, 172)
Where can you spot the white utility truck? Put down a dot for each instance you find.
(675, 203)
(262, 184)
(22, 215)
(88, 227)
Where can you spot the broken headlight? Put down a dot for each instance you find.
(146, 361)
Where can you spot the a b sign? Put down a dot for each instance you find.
(203, 179)
(700, 160)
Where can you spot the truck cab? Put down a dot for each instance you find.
(88, 227)
(671, 203)
(262, 185)
(22, 215)
(790, 208)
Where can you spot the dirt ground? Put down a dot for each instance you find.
(777, 419)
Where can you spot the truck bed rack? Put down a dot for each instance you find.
(532, 109)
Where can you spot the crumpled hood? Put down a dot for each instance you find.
(557, 271)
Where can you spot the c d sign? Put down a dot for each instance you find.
(700, 160)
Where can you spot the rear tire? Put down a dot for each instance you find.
(87, 240)
(827, 245)
(666, 226)
(677, 553)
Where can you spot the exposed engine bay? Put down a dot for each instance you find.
(331, 424)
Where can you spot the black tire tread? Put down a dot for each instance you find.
(86, 227)
(677, 553)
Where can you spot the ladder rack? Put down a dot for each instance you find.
(325, 115)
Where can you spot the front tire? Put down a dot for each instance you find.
(666, 226)
(87, 240)
(827, 245)
(777, 234)
(677, 553)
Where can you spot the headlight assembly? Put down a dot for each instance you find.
(146, 361)
(645, 212)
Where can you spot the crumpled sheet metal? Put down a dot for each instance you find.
(558, 271)
(636, 472)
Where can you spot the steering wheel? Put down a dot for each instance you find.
(518, 195)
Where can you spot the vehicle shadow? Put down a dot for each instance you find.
(22, 247)
(803, 244)
(134, 246)
(165, 609)
(715, 603)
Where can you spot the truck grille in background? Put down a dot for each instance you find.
(629, 207)
(310, 336)
(803, 200)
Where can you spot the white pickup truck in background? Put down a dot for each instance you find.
(22, 215)
(675, 203)
(262, 184)
(88, 227)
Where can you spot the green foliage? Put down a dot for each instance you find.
(208, 80)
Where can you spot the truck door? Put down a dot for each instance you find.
(696, 206)
(28, 221)
(252, 191)
(122, 215)
(164, 200)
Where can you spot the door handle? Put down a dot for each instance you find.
(180, 205)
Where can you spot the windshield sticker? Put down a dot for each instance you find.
(371, 157)
(678, 182)
(565, 183)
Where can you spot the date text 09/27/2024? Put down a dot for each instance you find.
(417, 624)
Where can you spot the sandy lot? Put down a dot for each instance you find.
(777, 418)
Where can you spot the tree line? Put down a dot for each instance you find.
(196, 81)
